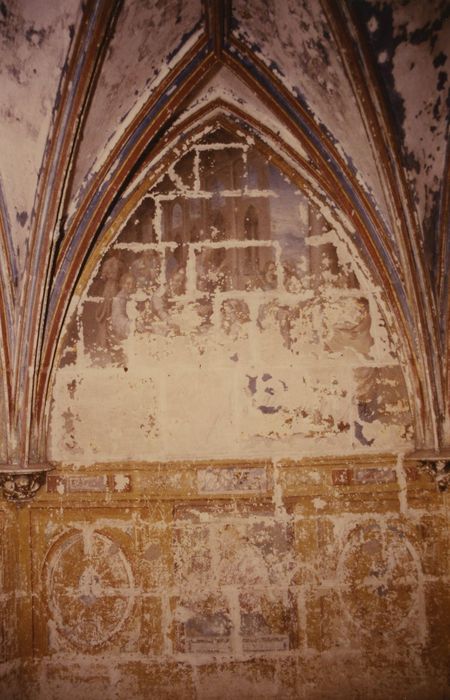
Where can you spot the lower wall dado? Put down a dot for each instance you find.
(312, 579)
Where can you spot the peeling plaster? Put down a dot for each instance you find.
(411, 41)
(301, 52)
(263, 579)
(203, 598)
(161, 34)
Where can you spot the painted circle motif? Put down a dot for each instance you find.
(91, 588)
(380, 577)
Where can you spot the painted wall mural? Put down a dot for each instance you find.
(92, 585)
(229, 314)
(228, 567)
(313, 586)
(237, 401)
(367, 597)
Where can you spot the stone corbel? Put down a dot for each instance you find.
(437, 465)
(21, 485)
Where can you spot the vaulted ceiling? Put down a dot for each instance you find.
(92, 91)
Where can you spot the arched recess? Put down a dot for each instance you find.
(227, 310)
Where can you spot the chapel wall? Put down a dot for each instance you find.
(312, 579)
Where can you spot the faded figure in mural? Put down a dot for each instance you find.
(153, 313)
(109, 273)
(153, 318)
(214, 270)
(145, 270)
(176, 282)
(120, 321)
(351, 327)
(268, 278)
(241, 562)
(296, 275)
(274, 320)
(235, 314)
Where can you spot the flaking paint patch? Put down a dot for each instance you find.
(121, 482)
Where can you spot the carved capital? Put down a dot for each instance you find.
(21, 485)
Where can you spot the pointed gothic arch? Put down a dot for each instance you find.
(231, 309)
(148, 133)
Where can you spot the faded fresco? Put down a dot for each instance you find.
(90, 570)
(228, 310)
(282, 580)
(229, 568)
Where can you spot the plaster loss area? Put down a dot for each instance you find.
(229, 316)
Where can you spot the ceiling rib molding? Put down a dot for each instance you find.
(8, 281)
(84, 60)
(9, 271)
(443, 283)
(444, 243)
(218, 23)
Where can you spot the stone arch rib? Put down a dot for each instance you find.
(8, 280)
